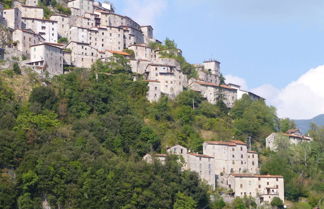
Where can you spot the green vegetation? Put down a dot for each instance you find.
(78, 142)
(169, 50)
(63, 40)
(7, 4)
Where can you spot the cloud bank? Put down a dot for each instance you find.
(300, 99)
(145, 12)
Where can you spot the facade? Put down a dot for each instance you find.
(293, 137)
(241, 92)
(231, 157)
(31, 11)
(262, 187)
(25, 39)
(33, 3)
(82, 54)
(12, 18)
(85, 6)
(154, 91)
(149, 158)
(46, 28)
(63, 25)
(148, 34)
(203, 165)
(213, 92)
(47, 58)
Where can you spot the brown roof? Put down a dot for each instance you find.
(238, 142)
(256, 176)
(200, 155)
(215, 85)
(228, 143)
(29, 18)
(298, 136)
(49, 44)
(118, 52)
(250, 151)
(160, 155)
(221, 143)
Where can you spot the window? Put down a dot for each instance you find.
(268, 183)
(276, 179)
(233, 156)
(241, 148)
(241, 155)
(259, 186)
(241, 186)
(43, 27)
(252, 162)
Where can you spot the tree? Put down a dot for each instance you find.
(43, 98)
(184, 202)
(16, 68)
(277, 203)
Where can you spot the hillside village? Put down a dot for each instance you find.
(230, 165)
(94, 32)
(58, 44)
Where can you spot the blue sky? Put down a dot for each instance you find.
(264, 45)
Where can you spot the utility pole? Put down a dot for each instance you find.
(193, 104)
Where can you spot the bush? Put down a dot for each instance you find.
(16, 68)
(277, 202)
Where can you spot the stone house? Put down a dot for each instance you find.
(46, 28)
(85, 6)
(32, 3)
(241, 92)
(12, 18)
(292, 136)
(107, 38)
(80, 35)
(262, 187)
(149, 158)
(31, 11)
(203, 165)
(148, 34)
(25, 38)
(154, 90)
(230, 157)
(213, 92)
(63, 24)
(47, 58)
(83, 55)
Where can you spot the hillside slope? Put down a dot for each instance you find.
(304, 125)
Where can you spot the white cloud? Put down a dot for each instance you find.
(236, 80)
(145, 12)
(267, 91)
(300, 99)
(304, 98)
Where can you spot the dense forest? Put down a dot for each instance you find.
(77, 141)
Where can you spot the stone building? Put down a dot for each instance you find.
(262, 187)
(24, 39)
(83, 55)
(154, 90)
(32, 3)
(47, 58)
(31, 11)
(293, 136)
(214, 92)
(149, 158)
(231, 157)
(64, 24)
(148, 34)
(85, 6)
(12, 18)
(241, 92)
(203, 165)
(46, 28)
